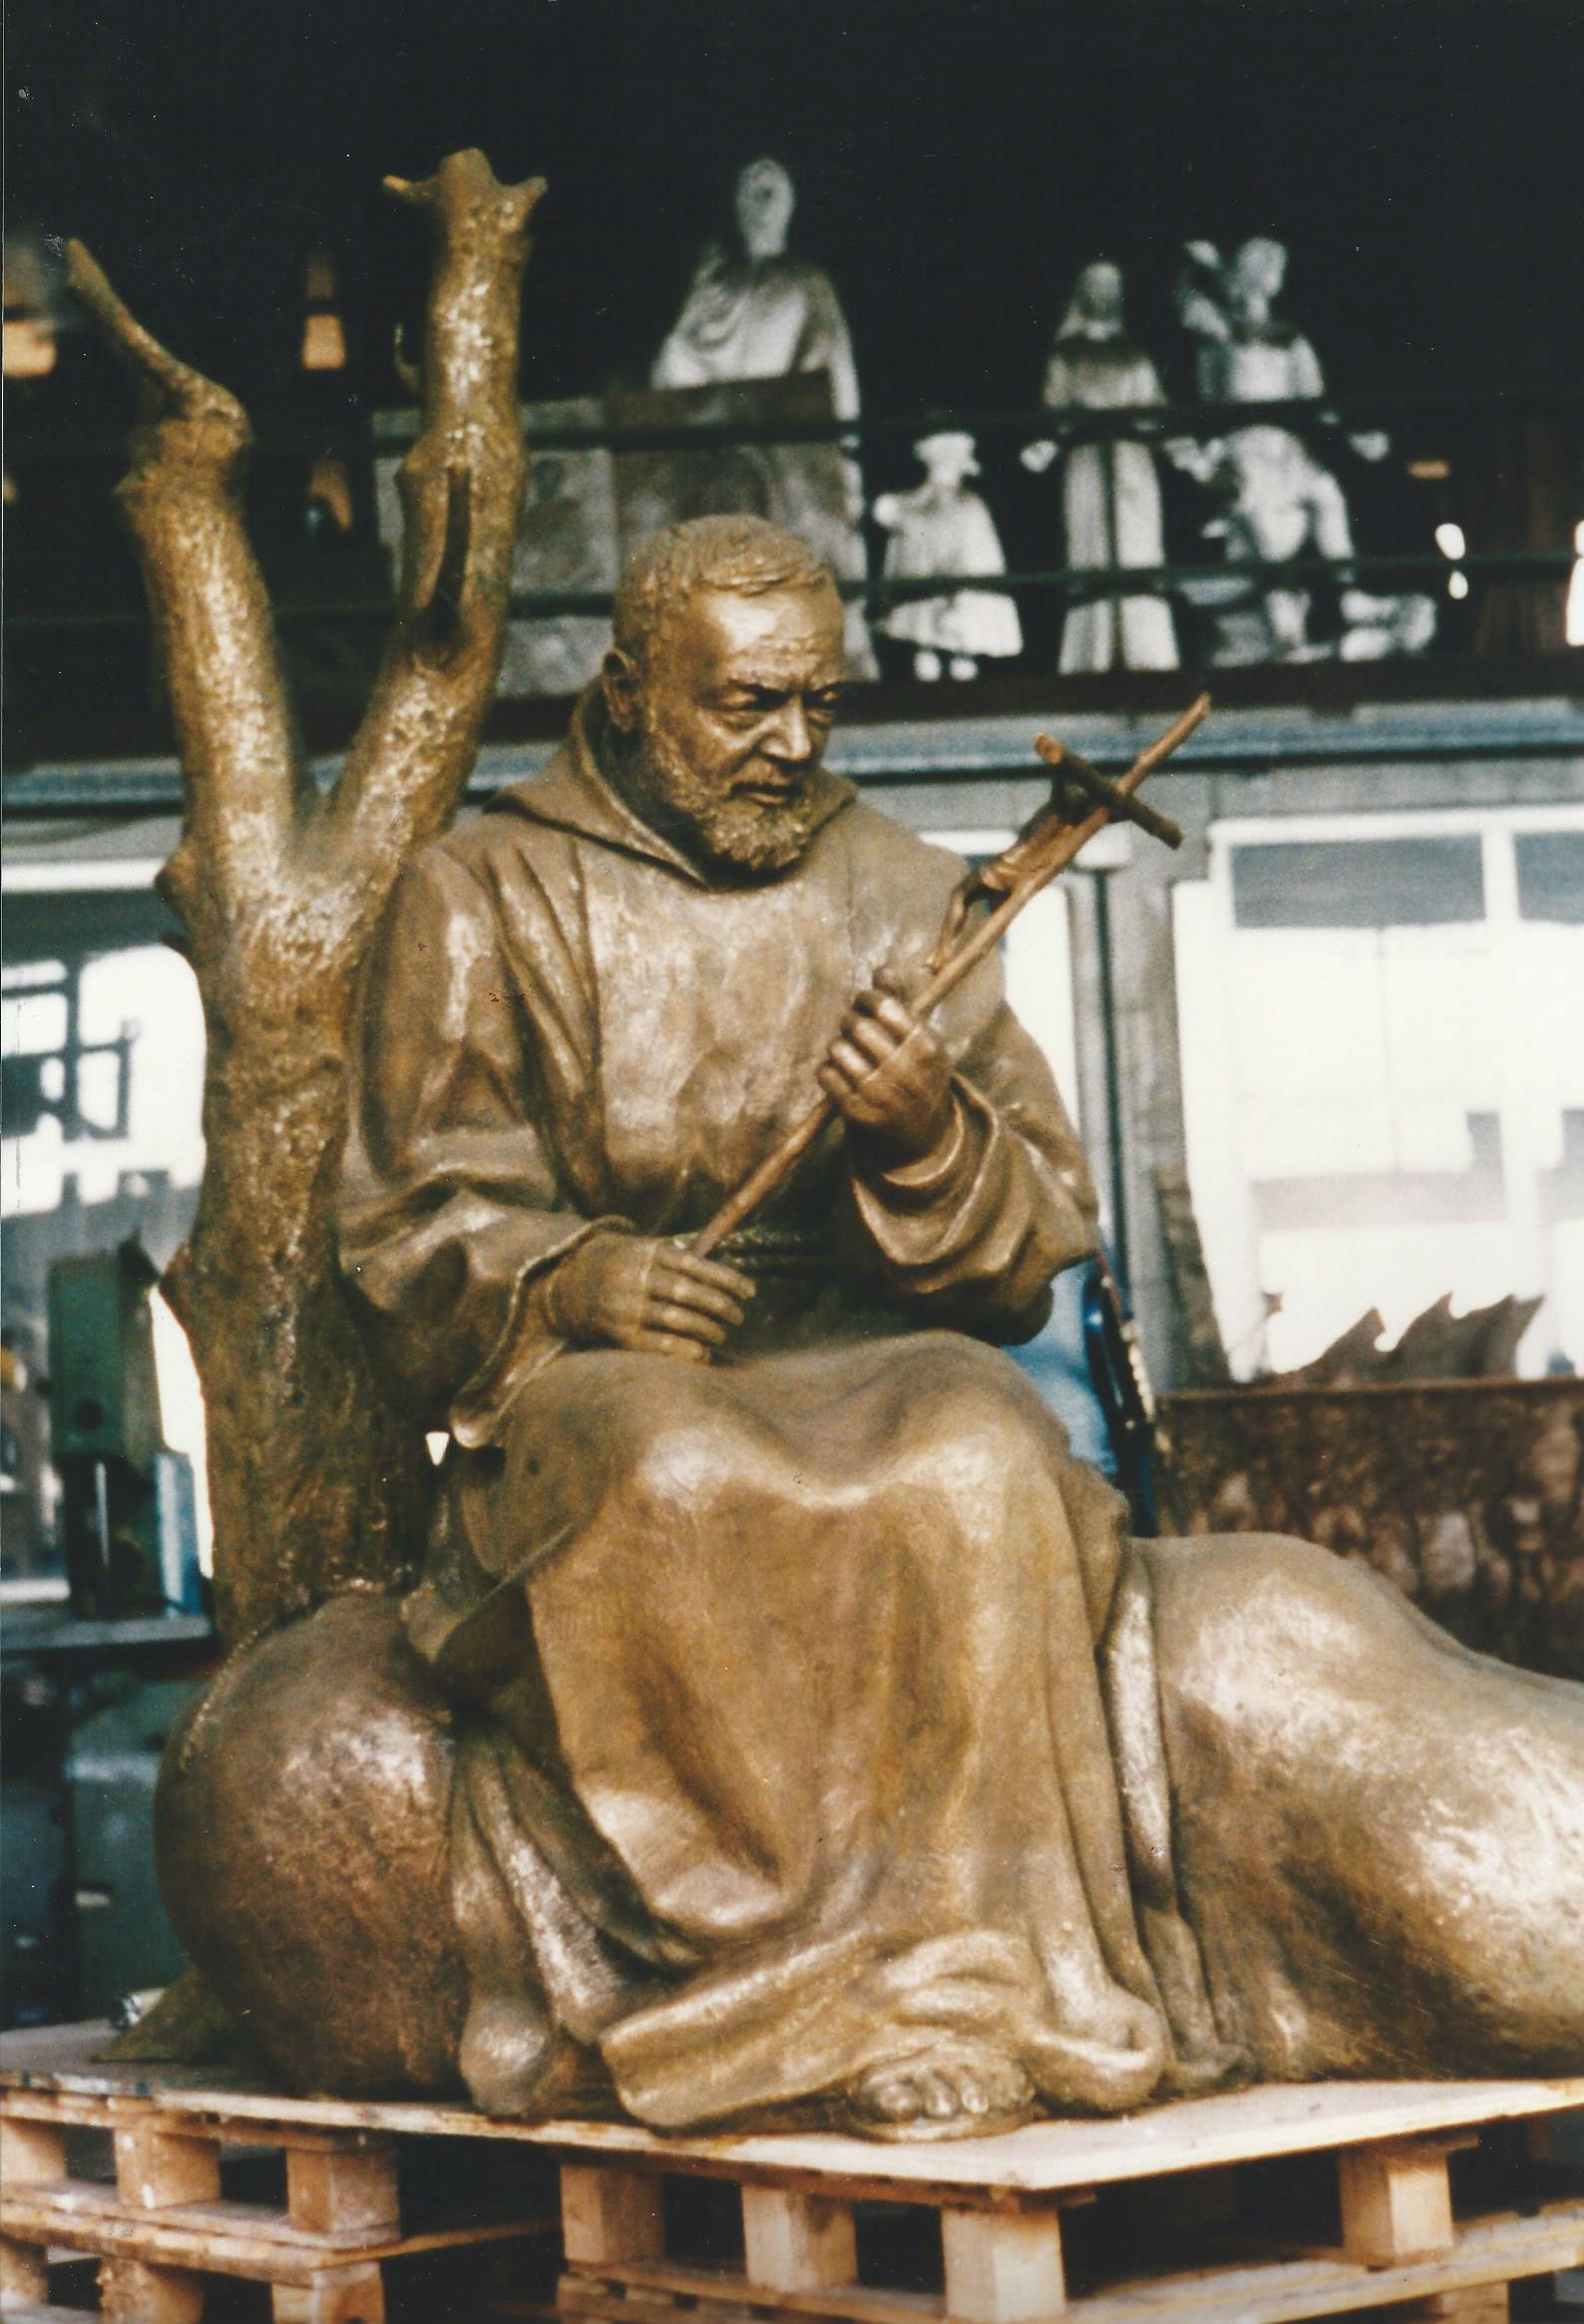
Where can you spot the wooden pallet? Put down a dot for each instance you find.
(1167, 2217)
(1399, 2243)
(161, 2228)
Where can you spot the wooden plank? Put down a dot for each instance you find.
(23, 2273)
(209, 2114)
(456, 2238)
(1282, 2292)
(44, 2315)
(55, 2105)
(331, 2192)
(156, 2243)
(609, 2213)
(878, 2183)
(154, 2167)
(264, 2219)
(61, 2194)
(131, 2293)
(797, 2242)
(31, 2153)
(1396, 2202)
(228, 2238)
(1481, 2304)
(1003, 2271)
(351, 2296)
(574, 2300)
(713, 2286)
(581, 2295)
(1187, 2134)
(1270, 2292)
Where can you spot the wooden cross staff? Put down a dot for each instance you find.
(1045, 846)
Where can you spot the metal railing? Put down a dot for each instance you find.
(1459, 438)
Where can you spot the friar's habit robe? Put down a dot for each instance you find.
(783, 1757)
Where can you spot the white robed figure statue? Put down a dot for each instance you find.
(1282, 501)
(757, 312)
(1110, 492)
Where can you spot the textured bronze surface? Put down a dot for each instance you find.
(1049, 841)
(821, 1752)
(1467, 1495)
(1372, 1840)
(782, 1729)
(303, 1826)
(315, 1483)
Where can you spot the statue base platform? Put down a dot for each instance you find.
(1268, 2204)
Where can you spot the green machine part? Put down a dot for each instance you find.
(126, 1501)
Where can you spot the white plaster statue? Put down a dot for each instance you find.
(942, 526)
(1281, 500)
(755, 312)
(1110, 495)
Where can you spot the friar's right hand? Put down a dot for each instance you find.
(639, 1292)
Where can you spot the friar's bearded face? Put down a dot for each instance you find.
(727, 721)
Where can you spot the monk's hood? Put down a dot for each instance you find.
(574, 794)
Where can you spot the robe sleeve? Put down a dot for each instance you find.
(705, 314)
(977, 1230)
(1059, 392)
(1144, 385)
(453, 1205)
(826, 344)
(1307, 378)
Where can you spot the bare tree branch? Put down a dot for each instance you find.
(245, 781)
(439, 625)
(415, 749)
(316, 1483)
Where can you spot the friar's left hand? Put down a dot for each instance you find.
(890, 1078)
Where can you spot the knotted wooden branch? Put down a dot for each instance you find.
(315, 1484)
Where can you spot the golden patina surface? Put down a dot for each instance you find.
(782, 1729)
(822, 1752)
(315, 1483)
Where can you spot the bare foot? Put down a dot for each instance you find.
(940, 2094)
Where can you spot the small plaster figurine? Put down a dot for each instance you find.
(940, 526)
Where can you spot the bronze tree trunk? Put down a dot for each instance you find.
(315, 1484)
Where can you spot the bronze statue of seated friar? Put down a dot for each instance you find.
(781, 1728)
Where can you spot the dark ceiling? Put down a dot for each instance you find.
(958, 161)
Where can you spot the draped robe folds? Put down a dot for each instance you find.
(782, 1751)
(760, 318)
(1111, 502)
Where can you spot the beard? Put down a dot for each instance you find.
(746, 837)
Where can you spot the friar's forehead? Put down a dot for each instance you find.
(789, 636)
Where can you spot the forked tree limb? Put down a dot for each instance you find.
(440, 624)
(244, 783)
(461, 484)
(316, 1483)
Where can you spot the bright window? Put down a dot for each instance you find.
(1383, 1041)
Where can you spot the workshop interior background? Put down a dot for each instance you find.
(1328, 1060)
